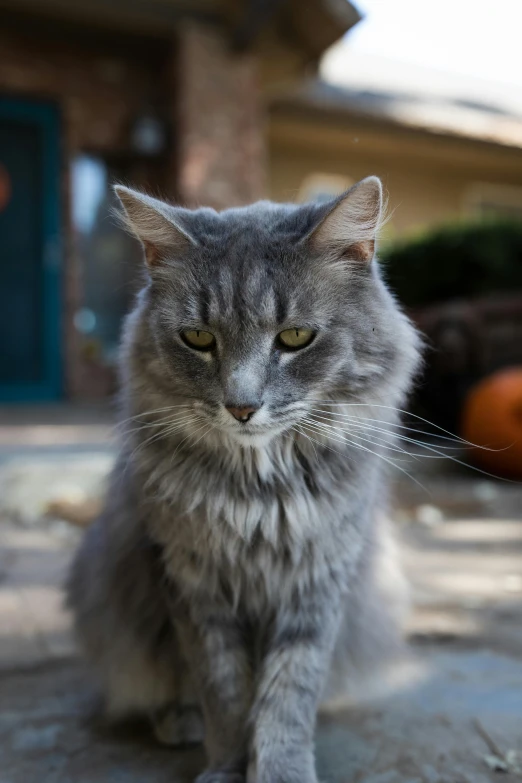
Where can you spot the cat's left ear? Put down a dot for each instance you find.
(349, 228)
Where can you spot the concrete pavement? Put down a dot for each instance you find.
(461, 541)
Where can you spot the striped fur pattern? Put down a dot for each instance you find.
(239, 569)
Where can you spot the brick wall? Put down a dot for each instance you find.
(221, 144)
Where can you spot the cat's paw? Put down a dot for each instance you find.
(178, 726)
(220, 776)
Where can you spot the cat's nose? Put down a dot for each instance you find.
(243, 414)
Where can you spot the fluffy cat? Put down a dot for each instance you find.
(238, 566)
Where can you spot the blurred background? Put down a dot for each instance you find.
(222, 102)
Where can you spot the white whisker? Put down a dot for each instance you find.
(406, 413)
(369, 429)
(156, 410)
(380, 456)
(375, 440)
(395, 426)
(436, 452)
(161, 422)
(164, 433)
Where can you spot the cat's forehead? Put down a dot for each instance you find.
(264, 222)
(251, 267)
(243, 251)
(238, 289)
(244, 293)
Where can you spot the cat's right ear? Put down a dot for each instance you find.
(156, 224)
(349, 228)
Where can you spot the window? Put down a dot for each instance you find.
(108, 259)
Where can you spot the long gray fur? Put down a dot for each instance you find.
(242, 569)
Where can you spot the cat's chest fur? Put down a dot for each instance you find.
(262, 525)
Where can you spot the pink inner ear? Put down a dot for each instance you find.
(152, 255)
(361, 251)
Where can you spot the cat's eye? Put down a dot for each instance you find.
(293, 339)
(198, 339)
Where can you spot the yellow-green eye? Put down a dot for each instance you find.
(295, 338)
(201, 341)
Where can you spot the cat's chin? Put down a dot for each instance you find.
(254, 439)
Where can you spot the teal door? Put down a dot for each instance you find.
(30, 301)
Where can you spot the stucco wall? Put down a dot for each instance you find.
(427, 179)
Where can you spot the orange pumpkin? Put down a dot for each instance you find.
(492, 417)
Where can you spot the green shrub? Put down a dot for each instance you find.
(456, 261)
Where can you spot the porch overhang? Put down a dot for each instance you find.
(312, 26)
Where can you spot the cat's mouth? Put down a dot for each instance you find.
(262, 427)
(259, 433)
(254, 436)
(253, 428)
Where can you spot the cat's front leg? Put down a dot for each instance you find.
(215, 649)
(289, 689)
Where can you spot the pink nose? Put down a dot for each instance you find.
(241, 414)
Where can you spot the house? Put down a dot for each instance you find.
(165, 94)
(446, 146)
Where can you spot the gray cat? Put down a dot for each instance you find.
(238, 568)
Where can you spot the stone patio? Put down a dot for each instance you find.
(447, 714)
